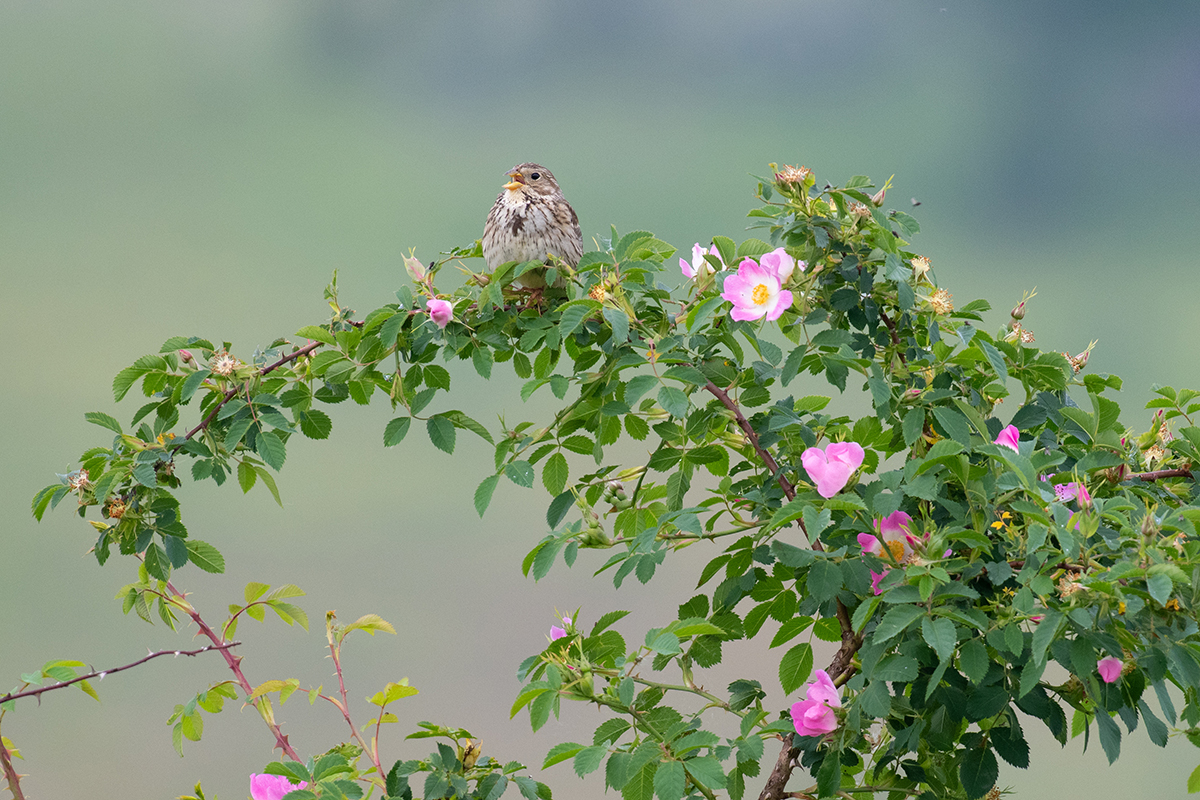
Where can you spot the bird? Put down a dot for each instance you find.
(531, 221)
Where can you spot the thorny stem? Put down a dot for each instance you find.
(344, 707)
(891, 326)
(261, 704)
(101, 673)
(10, 774)
(230, 393)
(842, 664)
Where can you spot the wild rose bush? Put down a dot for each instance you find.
(992, 547)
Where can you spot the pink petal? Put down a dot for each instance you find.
(1110, 668)
(869, 543)
(556, 633)
(1010, 438)
(781, 303)
(876, 577)
(822, 689)
(895, 523)
(687, 269)
(849, 453)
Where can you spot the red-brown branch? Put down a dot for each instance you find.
(229, 394)
(767, 459)
(101, 673)
(235, 666)
(1182, 472)
(11, 776)
(891, 326)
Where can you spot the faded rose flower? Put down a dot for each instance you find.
(440, 311)
(272, 787)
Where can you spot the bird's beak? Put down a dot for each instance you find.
(516, 183)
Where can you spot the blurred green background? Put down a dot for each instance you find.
(201, 168)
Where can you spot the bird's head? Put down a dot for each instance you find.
(532, 178)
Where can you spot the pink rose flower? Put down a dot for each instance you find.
(1109, 668)
(876, 577)
(272, 787)
(832, 467)
(782, 264)
(755, 292)
(1010, 438)
(440, 311)
(700, 265)
(814, 715)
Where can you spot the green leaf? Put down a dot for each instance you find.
(895, 621)
(441, 433)
(619, 322)
(315, 424)
(824, 580)
(939, 634)
(560, 753)
(669, 781)
(555, 473)
(574, 314)
(956, 427)
(994, 358)
(1193, 782)
(272, 449)
(706, 771)
(1110, 735)
(246, 476)
(461, 420)
(103, 420)
(316, 334)
(482, 358)
(914, 423)
(205, 556)
(483, 493)
(673, 401)
(973, 660)
(395, 431)
(978, 771)
(1159, 586)
(520, 473)
(795, 667)
(588, 759)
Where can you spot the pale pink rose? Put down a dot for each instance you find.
(782, 264)
(756, 292)
(832, 467)
(814, 715)
(700, 265)
(272, 787)
(440, 311)
(1010, 438)
(1109, 668)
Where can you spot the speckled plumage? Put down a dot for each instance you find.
(530, 221)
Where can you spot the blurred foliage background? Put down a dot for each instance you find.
(200, 169)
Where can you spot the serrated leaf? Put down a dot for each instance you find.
(555, 473)
(103, 420)
(396, 430)
(795, 667)
(483, 493)
(205, 556)
(939, 635)
(978, 771)
(895, 621)
(520, 473)
(441, 433)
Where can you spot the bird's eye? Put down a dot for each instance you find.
(535, 175)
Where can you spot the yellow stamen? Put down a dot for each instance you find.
(896, 548)
(760, 295)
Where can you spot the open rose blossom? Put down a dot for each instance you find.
(1065, 492)
(814, 715)
(755, 292)
(272, 787)
(1010, 438)
(700, 265)
(440, 311)
(832, 467)
(1109, 668)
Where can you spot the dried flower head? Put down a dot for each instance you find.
(920, 266)
(598, 293)
(940, 300)
(115, 509)
(1067, 586)
(223, 364)
(77, 481)
(859, 210)
(1155, 454)
(1026, 336)
(796, 175)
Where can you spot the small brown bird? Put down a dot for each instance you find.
(531, 220)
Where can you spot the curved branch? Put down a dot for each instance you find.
(101, 673)
(767, 459)
(1181, 472)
